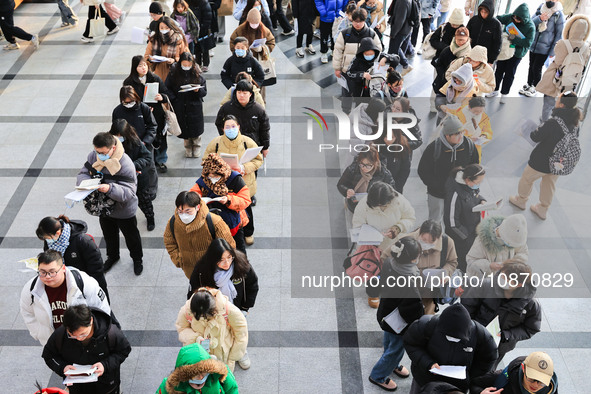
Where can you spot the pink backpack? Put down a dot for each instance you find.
(364, 262)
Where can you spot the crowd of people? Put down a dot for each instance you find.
(67, 306)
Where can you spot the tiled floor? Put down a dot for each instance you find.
(54, 100)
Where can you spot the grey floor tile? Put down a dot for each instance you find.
(263, 375)
(22, 366)
(295, 376)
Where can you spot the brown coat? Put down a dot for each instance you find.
(191, 240)
(245, 31)
(162, 69)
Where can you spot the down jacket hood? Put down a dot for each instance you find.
(367, 44)
(522, 11)
(577, 28)
(486, 232)
(479, 53)
(490, 6)
(193, 360)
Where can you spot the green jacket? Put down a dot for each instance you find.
(191, 361)
(526, 27)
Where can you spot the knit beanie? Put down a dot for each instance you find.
(253, 16)
(513, 230)
(156, 8)
(455, 322)
(462, 32)
(451, 125)
(457, 17)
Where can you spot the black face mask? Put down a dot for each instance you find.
(550, 4)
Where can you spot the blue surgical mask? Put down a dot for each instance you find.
(475, 187)
(103, 157)
(240, 52)
(258, 7)
(50, 241)
(121, 138)
(199, 381)
(369, 57)
(231, 133)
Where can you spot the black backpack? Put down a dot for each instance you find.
(414, 17)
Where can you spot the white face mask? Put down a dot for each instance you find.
(452, 339)
(129, 105)
(425, 245)
(186, 68)
(215, 180)
(254, 26)
(164, 32)
(187, 218)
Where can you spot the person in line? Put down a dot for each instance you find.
(451, 338)
(10, 31)
(45, 298)
(367, 116)
(400, 31)
(147, 178)
(533, 374)
(204, 14)
(88, 337)
(219, 181)
(510, 296)
(462, 193)
(187, 21)
(575, 35)
(78, 249)
(484, 75)
(343, 22)
(549, 22)
(443, 36)
(93, 9)
(119, 184)
(157, 11)
(358, 177)
(278, 15)
(403, 262)
(252, 29)
(304, 11)
(139, 76)
(137, 114)
(459, 89)
(329, 11)
(506, 69)
(69, 18)
(375, 14)
(450, 150)
(245, 6)
(209, 316)
(195, 371)
(498, 239)
(428, 11)
(394, 86)
(169, 42)
(564, 122)
(486, 30)
(233, 142)
(459, 47)
(241, 60)
(188, 104)
(255, 89)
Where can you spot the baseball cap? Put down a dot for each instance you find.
(539, 366)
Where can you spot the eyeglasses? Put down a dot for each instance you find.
(366, 166)
(49, 274)
(82, 336)
(533, 381)
(226, 260)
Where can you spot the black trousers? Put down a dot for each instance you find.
(240, 242)
(536, 62)
(326, 37)
(201, 58)
(462, 248)
(11, 31)
(426, 23)
(304, 27)
(506, 73)
(103, 14)
(128, 227)
(279, 16)
(249, 228)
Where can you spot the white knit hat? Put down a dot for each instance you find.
(457, 17)
(513, 230)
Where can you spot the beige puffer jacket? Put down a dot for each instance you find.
(486, 75)
(576, 31)
(343, 54)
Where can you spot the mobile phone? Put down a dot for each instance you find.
(205, 344)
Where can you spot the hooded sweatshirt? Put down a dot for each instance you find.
(486, 76)
(191, 361)
(526, 27)
(486, 32)
(457, 92)
(360, 66)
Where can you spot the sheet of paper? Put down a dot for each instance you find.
(138, 35)
(489, 205)
(369, 235)
(342, 13)
(359, 196)
(207, 200)
(379, 70)
(250, 154)
(377, 22)
(188, 88)
(494, 327)
(31, 263)
(231, 159)
(89, 184)
(80, 379)
(265, 166)
(396, 321)
(150, 92)
(81, 370)
(451, 371)
(77, 195)
(158, 59)
(259, 42)
(343, 82)
(481, 141)
(525, 127)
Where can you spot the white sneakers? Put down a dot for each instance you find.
(86, 39)
(310, 49)
(494, 93)
(406, 70)
(324, 58)
(113, 31)
(10, 46)
(35, 41)
(244, 362)
(299, 52)
(503, 99)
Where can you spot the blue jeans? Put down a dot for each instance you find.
(441, 19)
(66, 12)
(393, 352)
(394, 47)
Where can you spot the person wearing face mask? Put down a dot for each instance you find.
(451, 149)
(137, 114)
(227, 269)
(77, 248)
(459, 47)
(188, 234)
(476, 122)
(462, 193)
(509, 294)
(169, 41)
(484, 75)
(147, 178)
(375, 13)
(197, 372)
(243, 7)
(252, 29)
(486, 30)
(204, 14)
(241, 60)
(258, 98)
(188, 22)
(401, 263)
(119, 183)
(188, 104)
(497, 239)
(451, 338)
(219, 181)
(459, 89)
(445, 33)
(233, 142)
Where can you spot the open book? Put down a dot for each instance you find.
(207, 200)
(89, 184)
(150, 92)
(189, 87)
(82, 374)
(489, 205)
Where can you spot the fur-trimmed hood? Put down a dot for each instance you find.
(486, 232)
(575, 28)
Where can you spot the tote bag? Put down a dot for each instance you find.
(268, 68)
(97, 25)
(172, 123)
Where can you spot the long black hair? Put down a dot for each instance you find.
(174, 29)
(133, 75)
(180, 76)
(124, 129)
(206, 267)
(50, 225)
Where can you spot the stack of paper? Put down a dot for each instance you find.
(451, 371)
(150, 92)
(207, 200)
(81, 374)
(494, 327)
(158, 59)
(368, 235)
(189, 87)
(89, 184)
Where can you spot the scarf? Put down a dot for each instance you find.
(223, 281)
(191, 21)
(457, 92)
(63, 240)
(549, 11)
(471, 119)
(363, 183)
(460, 51)
(170, 44)
(112, 163)
(453, 148)
(214, 164)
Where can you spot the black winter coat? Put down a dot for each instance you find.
(235, 65)
(111, 353)
(520, 317)
(83, 253)
(434, 173)
(157, 109)
(143, 160)
(141, 118)
(442, 37)
(253, 120)
(438, 388)
(426, 345)
(547, 136)
(441, 64)
(7, 6)
(398, 166)
(352, 175)
(359, 66)
(486, 32)
(204, 14)
(247, 287)
(304, 10)
(460, 222)
(188, 106)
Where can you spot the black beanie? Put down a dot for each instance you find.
(156, 8)
(455, 322)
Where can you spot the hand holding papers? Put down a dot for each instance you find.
(366, 235)
(343, 82)
(189, 87)
(158, 59)
(489, 205)
(80, 374)
(150, 92)
(89, 184)
(450, 371)
(377, 22)
(259, 42)
(396, 321)
(494, 327)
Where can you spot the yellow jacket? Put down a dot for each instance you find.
(484, 127)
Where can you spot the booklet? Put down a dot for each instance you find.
(81, 370)
(489, 205)
(343, 82)
(80, 379)
(369, 235)
(512, 29)
(150, 92)
(494, 327)
(89, 184)
(377, 22)
(207, 200)
(158, 59)
(259, 42)
(189, 87)
(451, 371)
(250, 154)
(231, 159)
(138, 35)
(396, 321)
